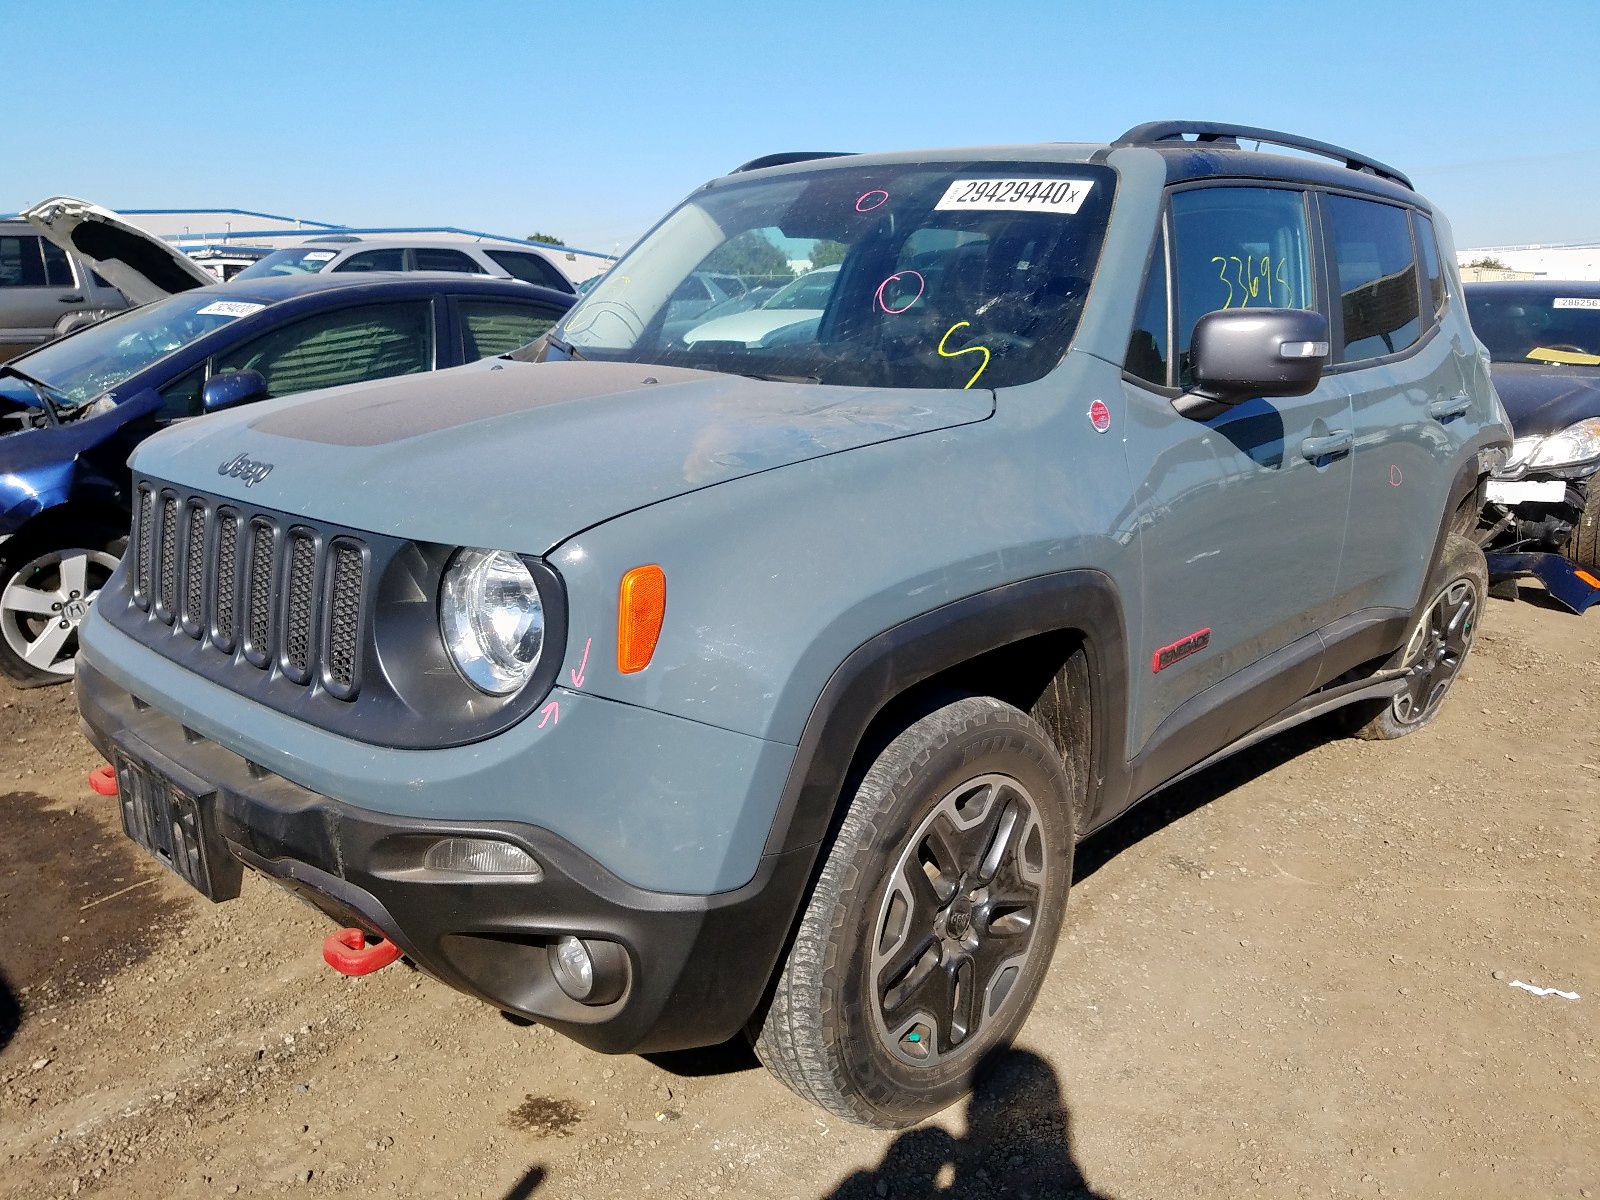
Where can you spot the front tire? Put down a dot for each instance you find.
(1438, 644)
(47, 583)
(933, 921)
(1583, 547)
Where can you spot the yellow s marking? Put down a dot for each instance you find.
(984, 350)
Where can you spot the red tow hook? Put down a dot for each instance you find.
(347, 952)
(103, 780)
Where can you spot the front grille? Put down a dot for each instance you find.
(302, 593)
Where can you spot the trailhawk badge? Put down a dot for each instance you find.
(247, 469)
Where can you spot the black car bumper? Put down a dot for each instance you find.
(696, 966)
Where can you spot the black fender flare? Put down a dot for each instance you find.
(898, 659)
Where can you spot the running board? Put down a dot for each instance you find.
(1381, 685)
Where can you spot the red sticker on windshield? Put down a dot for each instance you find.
(1100, 416)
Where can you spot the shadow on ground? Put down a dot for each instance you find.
(1018, 1143)
(1181, 799)
(10, 1013)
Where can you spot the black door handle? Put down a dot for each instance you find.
(1443, 410)
(70, 299)
(1338, 442)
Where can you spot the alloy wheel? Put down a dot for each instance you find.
(45, 602)
(1438, 647)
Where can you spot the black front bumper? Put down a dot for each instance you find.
(697, 965)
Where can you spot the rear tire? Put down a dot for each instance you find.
(933, 921)
(1583, 547)
(47, 583)
(1437, 646)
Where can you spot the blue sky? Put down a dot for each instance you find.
(590, 119)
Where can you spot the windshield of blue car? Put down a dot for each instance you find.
(922, 275)
(1537, 325)
(94, 360)
(297, 260)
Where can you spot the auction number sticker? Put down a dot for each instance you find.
(230, 308)
(1576, 302)
(1016, 195)
(319, 255)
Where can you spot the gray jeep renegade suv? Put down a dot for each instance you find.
(669, 687)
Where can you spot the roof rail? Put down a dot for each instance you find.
(1216, 133)
(787, 157)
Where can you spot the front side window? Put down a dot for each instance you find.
(490, 327)
(298, 260)
(1238, 247)
(1147, 345)
(374, 341)
(931, 275)
(1376, 275)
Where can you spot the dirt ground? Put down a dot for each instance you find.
(1289, 977)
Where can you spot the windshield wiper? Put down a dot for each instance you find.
(565, 347)
(41, 389)
(781, 378)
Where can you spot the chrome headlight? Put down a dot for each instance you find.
(492, 619)
(1579, 443)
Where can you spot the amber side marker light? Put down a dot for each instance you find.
(1588, 578)
(641, 603)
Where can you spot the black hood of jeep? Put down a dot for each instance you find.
(1546, 399)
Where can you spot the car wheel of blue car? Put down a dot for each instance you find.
(933, 921)
(44, 598)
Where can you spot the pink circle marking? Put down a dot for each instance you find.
(1395, 478)
(921, 285)
(863, 207)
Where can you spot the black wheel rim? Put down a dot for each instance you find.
(957, 920)
(1436, 651)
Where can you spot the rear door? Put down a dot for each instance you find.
(1403, 372)
(1241, 517)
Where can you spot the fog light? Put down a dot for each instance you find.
(480, 856)
(591, 972)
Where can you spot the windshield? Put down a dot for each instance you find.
(299, 260)
(97, 359)
(925, 275)
(1537, 325)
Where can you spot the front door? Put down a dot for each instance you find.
(1241, 517)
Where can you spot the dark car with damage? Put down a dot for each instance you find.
(72, 411)
(1543, 511)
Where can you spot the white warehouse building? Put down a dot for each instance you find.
(1566, 260)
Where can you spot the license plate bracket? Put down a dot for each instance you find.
(171, 812)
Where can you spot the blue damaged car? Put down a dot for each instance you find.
(672, 687)
(72, 411)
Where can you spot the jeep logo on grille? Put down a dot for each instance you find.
(247, 469)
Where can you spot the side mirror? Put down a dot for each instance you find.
(231, 389)
(1240, 354)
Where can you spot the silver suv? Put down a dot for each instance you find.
(44, 291)
(349, 252)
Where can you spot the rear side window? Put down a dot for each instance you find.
(490, 327)
(390, 259)
(447, 260)
(530, 268)
(1376, 274)
(1238, 247)
(57, 270)
(374, 341)
(1432, 271)
(1147, 345)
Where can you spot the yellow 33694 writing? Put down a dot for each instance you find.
(1250, 279)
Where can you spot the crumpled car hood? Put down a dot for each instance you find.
(524, 457)
(134, 261)
(1546, 399)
